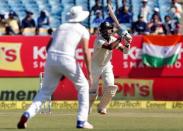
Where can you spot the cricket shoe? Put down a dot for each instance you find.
(22, 124)
(102, 111)
(84, 125)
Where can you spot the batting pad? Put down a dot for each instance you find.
(108, 93)
(92, 97)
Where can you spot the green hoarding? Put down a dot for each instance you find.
(18, 88)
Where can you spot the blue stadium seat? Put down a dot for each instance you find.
(54, 2)
(67, 1)
(135, 9)
(16, 6)
(19, 9)
(164, 6)
(32, 6)
(21, 13)
(4, 1)
(54, 22)
(63, 16)
(4, 10)
(42, 2)
(58, 8)
(56, 13)
(14, 2)
(46, 7)
(152, 4)
(65, 10)
(83, 3)
(29, 1)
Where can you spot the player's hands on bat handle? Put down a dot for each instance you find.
(126, 47)
(125, 35)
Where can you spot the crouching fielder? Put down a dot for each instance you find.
(102, 67)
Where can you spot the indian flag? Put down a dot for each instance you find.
(158, 51)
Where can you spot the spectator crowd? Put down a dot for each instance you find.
(10, 24)
(146, 23)
(149, 21)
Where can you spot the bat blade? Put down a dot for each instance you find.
(126, 35)
(111, 13)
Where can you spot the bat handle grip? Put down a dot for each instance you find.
(124, 34)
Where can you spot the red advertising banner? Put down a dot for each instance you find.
(25, 56)
(161, 89)
(22, 55)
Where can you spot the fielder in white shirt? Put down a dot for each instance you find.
(101, 64)
(61, 62)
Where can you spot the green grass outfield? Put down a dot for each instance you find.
(115, 120)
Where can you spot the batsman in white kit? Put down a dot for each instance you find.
(61, 62)
(101, 64)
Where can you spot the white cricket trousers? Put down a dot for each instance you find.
(105, 72)
(57, 66)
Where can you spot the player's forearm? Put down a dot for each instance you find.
(125, 49)
(87, 54)
(124, 34)
(112, 45)
(116, 43)
(87, 58)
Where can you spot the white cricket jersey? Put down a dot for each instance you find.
(67, 37)
(102, 56)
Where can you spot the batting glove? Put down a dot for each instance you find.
(125, 35)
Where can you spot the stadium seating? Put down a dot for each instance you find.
(135, 9)
(163, 5)
(84, 3)
(55, 21)
(57, 8)
(65, 10)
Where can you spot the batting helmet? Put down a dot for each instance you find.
(104, 27)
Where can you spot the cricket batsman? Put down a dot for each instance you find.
(101, 64)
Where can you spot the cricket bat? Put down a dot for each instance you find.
(111, 13)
